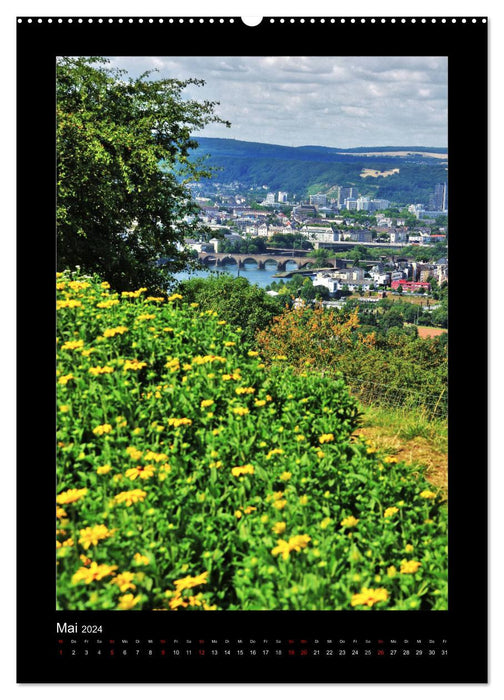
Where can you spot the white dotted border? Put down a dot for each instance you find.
(231, 20)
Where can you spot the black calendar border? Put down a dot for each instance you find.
(465, 623)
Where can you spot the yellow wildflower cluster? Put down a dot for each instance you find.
(350, 521)
(295, 544)
(70, 496)
(92, 535)
(93, 572)
(240, 471)
(102, 429)
(111, 332)
(389, 512)
(410, 567)
(326, 437)
(95, 371)
(369, 596)
(130, 497)
(134, 365)
(177, 422)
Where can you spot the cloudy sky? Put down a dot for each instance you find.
(316, 100)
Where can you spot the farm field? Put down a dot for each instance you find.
(191, 475)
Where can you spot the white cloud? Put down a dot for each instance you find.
(326, 100)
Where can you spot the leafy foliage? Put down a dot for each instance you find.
(190, 475)
(118, 212)
(235, 300)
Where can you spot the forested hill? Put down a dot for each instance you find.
(308, 169)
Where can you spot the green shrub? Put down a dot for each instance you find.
(190, 475)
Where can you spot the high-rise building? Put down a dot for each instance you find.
(318, 200)
(282, 196)
(438, 201)
(346, 193)
(350, 204)
(270, 198)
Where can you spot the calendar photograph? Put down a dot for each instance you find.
(252, 354)
(260, 432)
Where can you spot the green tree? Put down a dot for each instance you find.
(235, 300)
(124, 206)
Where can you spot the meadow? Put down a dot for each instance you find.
(193, 475)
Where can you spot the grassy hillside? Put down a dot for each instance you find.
(296, 170)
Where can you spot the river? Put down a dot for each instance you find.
(250, 271)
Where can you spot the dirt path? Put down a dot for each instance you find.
(417, 451)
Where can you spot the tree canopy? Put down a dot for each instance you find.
(124, 206)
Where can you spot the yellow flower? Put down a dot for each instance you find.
(190, 581)
(133, 453)
(140, 559)
(320, 454)
(102, 429)
(325, 523)
(428, 494)
(249, 509)
(240, 411)
(409, 548)
(134, 364)
(259, 402)
(107, 304)
(72, 345)
(155, 456)
(104, 469)
(174, 297)
(239, 471)
(252, 353)
(280, 505)
(124, 581)
(128, 601)
(410, 567)
(276, 451)
(67, 304)
(154, 299)
(295, 544)
(65, 378)
(130, 497)
(111, 332)
(285, 476)
(142, 472)
(326, 437)
(177, 422)
(369, 596)
(145, 317)
(391, 571)
(390, 460)
(92, 535)
(279, 528)
(389, 512)
(206, 403)
(95, 371)
(349, 521)
(70, 496)
(303, 500)
(93, 572)
(238, 514)
(60, 512)
(244, 390)
(221, 323)
(64, 409)
(229, 344)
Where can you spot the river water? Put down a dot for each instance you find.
(250, 271)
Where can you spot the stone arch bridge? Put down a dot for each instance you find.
(260, 260)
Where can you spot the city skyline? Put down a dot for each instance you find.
(330, 101)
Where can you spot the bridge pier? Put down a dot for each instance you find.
(281, 266)
(241, 264)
